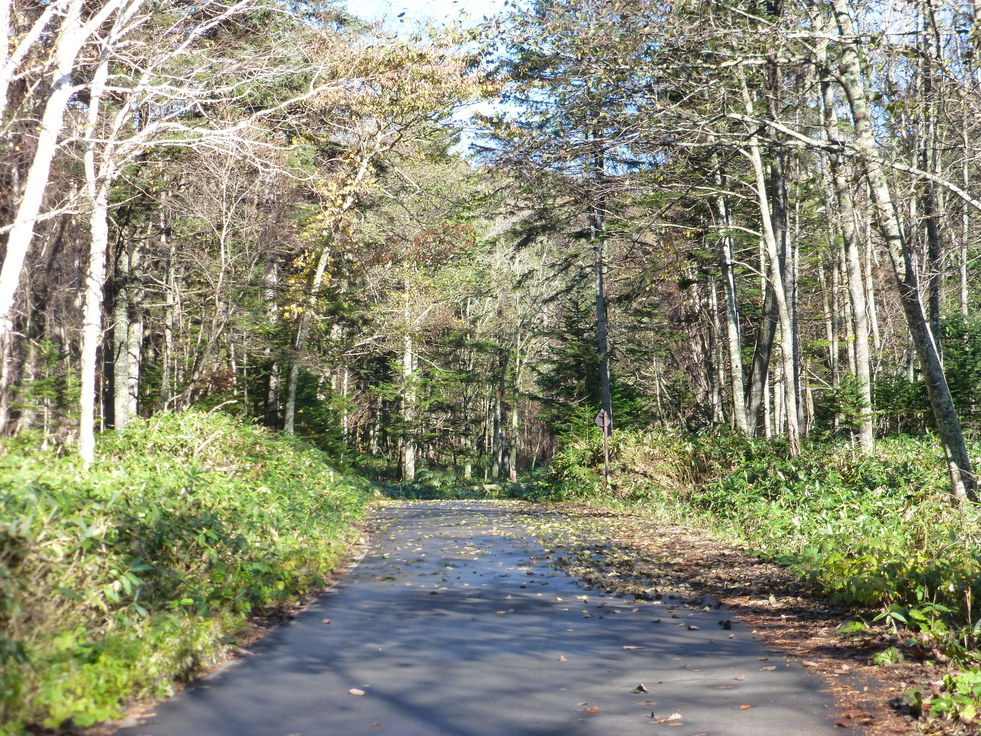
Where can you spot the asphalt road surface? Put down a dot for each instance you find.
(453, 625)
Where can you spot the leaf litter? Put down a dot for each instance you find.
(627, 553)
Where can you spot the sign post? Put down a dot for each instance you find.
(603, 422)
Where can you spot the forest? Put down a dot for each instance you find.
(256, 249)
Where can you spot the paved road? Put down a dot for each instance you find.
(452, 626)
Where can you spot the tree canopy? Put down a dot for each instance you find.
(751, 217)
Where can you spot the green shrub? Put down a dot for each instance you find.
(874, 531)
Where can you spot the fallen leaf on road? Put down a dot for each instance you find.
(325, 620)
(863, 719)
(355, 691)
(745, 707)
(672, 717)
(594, 709)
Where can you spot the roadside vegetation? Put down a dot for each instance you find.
(728, 222)
(874, 533)
(143, 570)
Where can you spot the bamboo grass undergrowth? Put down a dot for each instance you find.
(878, 533)
(118, 580)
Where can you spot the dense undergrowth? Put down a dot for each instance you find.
(117, 580)
(871, 531)
(878, 533)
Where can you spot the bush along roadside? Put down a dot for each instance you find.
(118, 580)
(876, 533)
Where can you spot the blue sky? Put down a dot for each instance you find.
(423, 10)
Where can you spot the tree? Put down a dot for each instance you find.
(571, 79)
(852, 81)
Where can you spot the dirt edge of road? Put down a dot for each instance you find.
(631, 554)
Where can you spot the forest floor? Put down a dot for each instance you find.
(632, 553)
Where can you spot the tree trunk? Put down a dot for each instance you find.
(170, 303)
(830, 321)
(733, 341)
(787, 248)
(602, 333)
(71, 37)
(597, 235)
(499, 437)
(948, 424)
(870, 300)
(762, 354)
(840, 176)
(964, 254)
(515, 439)
(776, 274)
(714, 355)
(95, 279)
(127, 339)
(408, 454)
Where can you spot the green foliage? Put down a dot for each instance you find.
(890, 655)
(959, 699)
(576, 469)
(840, 406)
(431, 483)
(119, 579)
(51, 391)
(874, 532)
(961, 341)
(318, 415)
(902, 406)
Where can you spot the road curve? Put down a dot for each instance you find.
(452, 625)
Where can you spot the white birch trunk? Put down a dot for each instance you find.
(963, 482)
(855, 279)
(779, 290)
(71, 38)
(92, 323)
(733, 338)
(964, 252)
(408, 409)
(120, 345)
